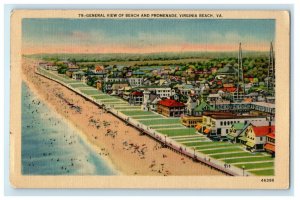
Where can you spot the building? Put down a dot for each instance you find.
(270, 144)
(135, 82)
(161, 91)
(235, 133)
(114, 80)
(212, 98)
(202, 107)
(71, 70)
(116, 88)
(150, 101)
(190, 121)
(217, 125)
(185, 89)
(136, 98)
(170, 108)
(257, 136)
(191, 104)
(78, 75)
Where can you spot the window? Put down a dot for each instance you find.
(221, 123)
(261, 138)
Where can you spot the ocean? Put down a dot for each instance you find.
(50, 146)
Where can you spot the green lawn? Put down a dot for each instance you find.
(228, 149)
(264, 172)
(256, 165)
(236, 160)
(111, 101)
(232, 155)
(90, 92)
(190, 139)
(168, 126)
(148, 117)
(176, 132)
(196, 143)
(140, 112)
(216, 145)
(162, 121)
(103, 97)
(78, 85)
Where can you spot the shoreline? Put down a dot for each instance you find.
(80, 133)
(113, 159)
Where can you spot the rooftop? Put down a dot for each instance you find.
(171, 103)
(263, 130)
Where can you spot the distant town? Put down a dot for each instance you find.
(229, 100)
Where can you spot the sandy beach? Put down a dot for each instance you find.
(122, 146)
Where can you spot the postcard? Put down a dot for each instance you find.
(150, 99)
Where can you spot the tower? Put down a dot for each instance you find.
(271, 73)
(146, 102)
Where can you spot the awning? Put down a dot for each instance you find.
(206, 131)
(250, 144)
(270, 147)
(198, 127)
(230, 137)
(243, 138)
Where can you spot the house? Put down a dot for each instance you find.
(150, 101)
(170, 108)
(135, 82)
(161, 91)
(191, 104)
(71, 70)
(235, 133)
(116, 88)
(185, 89)
(211, 98)
(126, 93)
(114, 80)
(270, 144)
(257, 136)
(190, 121)
(78, 75)
(202, 107)
(136, 98)
(162, 82)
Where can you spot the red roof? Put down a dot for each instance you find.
(170, 103)
(263, 130)
(229, 89)
(271, 135)
(136, 93)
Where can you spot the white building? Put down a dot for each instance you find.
(114, 80)
(135, 82)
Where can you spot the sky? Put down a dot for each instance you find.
(144, 35)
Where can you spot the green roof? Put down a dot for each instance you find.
(238, 126)
(203, 106)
